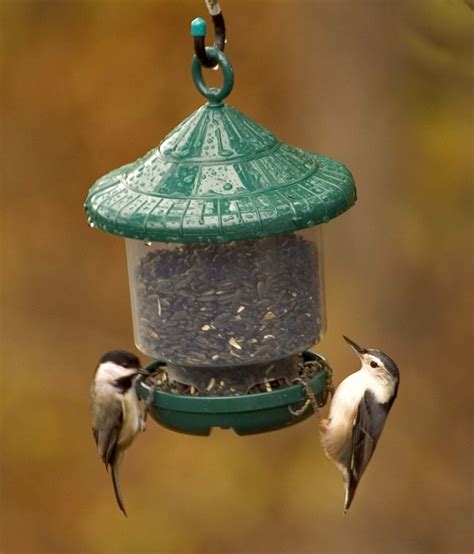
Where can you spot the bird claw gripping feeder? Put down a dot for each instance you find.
(222, 229)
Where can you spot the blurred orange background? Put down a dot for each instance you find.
(385, 87)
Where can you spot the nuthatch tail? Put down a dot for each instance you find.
(116, 415)
(358, 412)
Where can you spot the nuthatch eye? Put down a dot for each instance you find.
(116, 415)
(358, 412)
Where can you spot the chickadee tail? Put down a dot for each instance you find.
(116, 482)
(351, 486)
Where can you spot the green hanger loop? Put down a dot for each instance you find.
(214, 95)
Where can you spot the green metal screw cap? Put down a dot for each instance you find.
(219, 177)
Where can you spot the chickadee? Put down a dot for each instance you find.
(116, 415)
(358, 412)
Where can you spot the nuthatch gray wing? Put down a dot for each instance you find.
(116, 415)
(357, 415)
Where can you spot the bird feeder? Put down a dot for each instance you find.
(222, 224)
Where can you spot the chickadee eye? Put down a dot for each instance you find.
(374, 364)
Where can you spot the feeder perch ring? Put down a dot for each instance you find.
(245, 414)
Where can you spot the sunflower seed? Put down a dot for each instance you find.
(224, 316)
(211, 384)
(234, 343)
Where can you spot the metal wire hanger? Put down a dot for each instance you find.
(199, 33)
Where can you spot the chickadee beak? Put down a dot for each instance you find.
(358, 350)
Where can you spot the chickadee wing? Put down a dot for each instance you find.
(106, 425)
(368, 426)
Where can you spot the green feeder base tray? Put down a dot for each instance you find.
(246, 414)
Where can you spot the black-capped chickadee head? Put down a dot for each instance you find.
(117, 365)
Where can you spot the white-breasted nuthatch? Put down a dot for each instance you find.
(116, 415)
(357, 415)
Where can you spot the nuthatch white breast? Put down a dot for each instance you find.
(358, 412)
(116, 415)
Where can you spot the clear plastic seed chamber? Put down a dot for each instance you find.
(222, 223)
(254, 302)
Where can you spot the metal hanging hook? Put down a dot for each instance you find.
(198, 31)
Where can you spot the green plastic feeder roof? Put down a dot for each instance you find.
(219, 177)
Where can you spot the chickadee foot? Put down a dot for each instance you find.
(148, 404)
